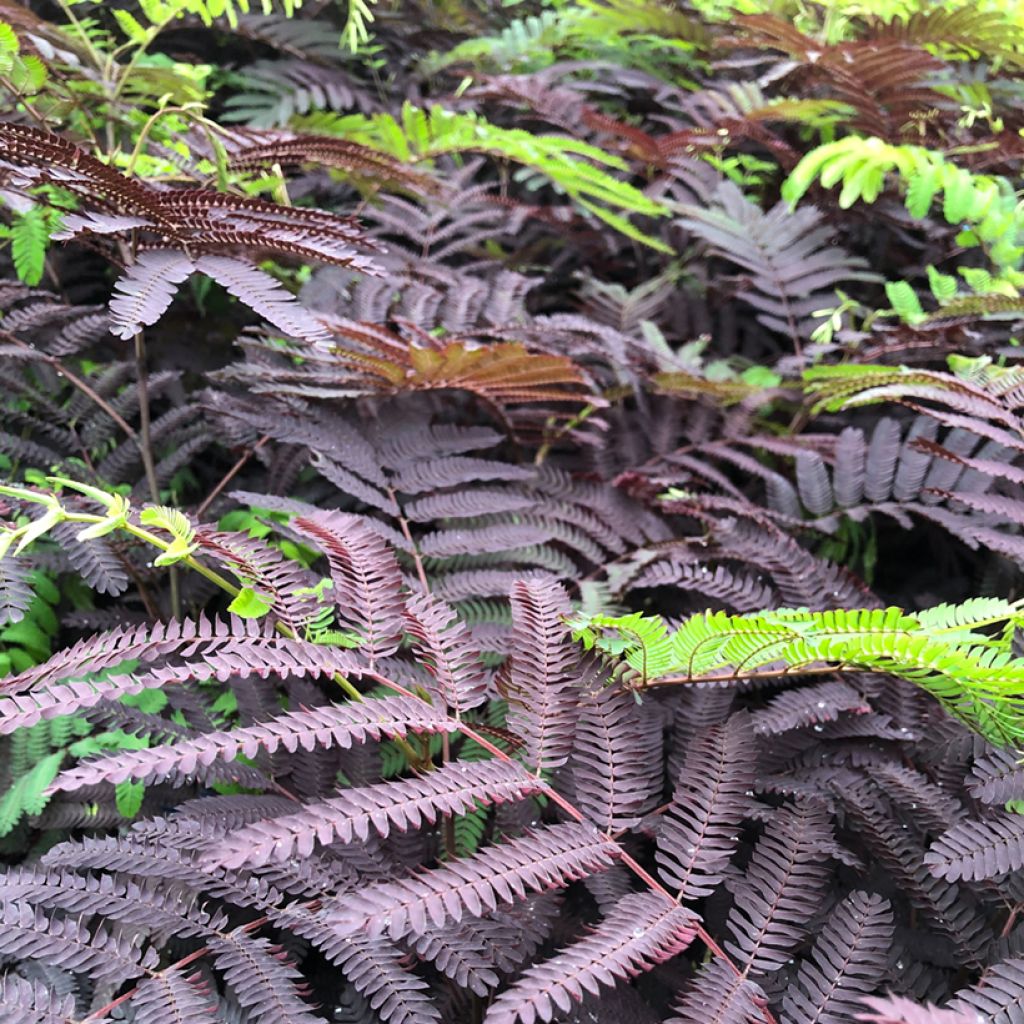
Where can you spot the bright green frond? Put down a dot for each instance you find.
(576, 168)
(961, 654)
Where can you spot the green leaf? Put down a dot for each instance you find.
(101, 529)
(28, 75)
(24, 494)
(39, 527)
(944, 286)
(26, 633)
(131, 27)
(760, 377)
(177, 524)
(8, 48)
(469, 831)
(8, 536)
(978, 279)
(116, 739)
(249, 605)
(904, 301)
(128, 797)
(177, 551)
(575, 167)
(29, 239)
(21, 661)
(624, 227)
(107, 499)
(961, 654)
(149, 701)
(921, 191)
(28, 793)
(958, 196)
(356, 31)
(45, 588)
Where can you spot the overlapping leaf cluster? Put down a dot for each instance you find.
(514, 517)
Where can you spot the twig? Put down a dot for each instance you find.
(146, 448)
(732, 677)
(230, 475)
(180, 965)
(77, 382)
(577, 815)
(449, 818)
(145, 437)
(407, 534)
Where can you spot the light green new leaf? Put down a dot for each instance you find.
(28, 793)
(176, 523)
(128, 797)
(961, 654)
(943, 286)
(249, 605)
(904, 301)
(30, 237)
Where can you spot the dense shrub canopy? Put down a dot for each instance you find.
(511, 514)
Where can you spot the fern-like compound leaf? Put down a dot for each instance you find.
(697, 835)
(999, 997)
(263, 294)
(377, 969)
(978, 849)
(997, 777)
(367, 579)
(901, 1010)
(262, 979)
(540, 860)
(282, 582)
(848, 961)
(29, 239)
(720, 994)
(787, 255)
(339, 724)
(15, 592)
(542, 681)
(171, 997)
(354, 813)
(642, 930)
(144, 294)
(781, 890)
(444, 648)
(26, 1001)
(28, 933)
(616, 759)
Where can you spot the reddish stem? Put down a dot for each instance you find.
(556, 798)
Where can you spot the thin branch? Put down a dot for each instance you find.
(230, 475)
(77, 382)
(577, 815)
(146, 448)
(407, 534)
(180, 965)
(145, 437)
(733, 677)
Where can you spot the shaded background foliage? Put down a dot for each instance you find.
(603, 307)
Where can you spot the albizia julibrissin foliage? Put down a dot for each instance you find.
(546, 553)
